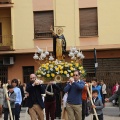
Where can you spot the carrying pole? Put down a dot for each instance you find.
(8, 102)
(90, 95)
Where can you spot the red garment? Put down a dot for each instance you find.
(50, 108)
(84, 93)
(114, 89)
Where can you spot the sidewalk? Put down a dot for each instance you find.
(110, 113)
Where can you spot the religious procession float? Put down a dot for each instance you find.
(53, 66)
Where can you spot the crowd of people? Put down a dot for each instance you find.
(68, 101)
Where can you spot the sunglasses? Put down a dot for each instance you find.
(75, 75)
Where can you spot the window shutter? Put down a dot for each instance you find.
(42, 22)
(88, 22)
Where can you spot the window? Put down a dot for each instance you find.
(42, 22)
(3, 74)
(88, 22)
(27, 70)
(0, 32)
(5, 1)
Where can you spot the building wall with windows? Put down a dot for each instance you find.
(22, 24)
(16, 38)
(88, 24)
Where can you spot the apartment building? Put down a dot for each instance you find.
(88, 24)
(16, 39)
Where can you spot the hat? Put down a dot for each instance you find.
(9, 86)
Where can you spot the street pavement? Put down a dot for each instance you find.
(110, 113)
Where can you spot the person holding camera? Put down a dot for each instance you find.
(35, 102)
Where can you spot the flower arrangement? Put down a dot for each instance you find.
(52, 68)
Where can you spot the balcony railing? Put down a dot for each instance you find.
(6, 42)
(5, 1)
(43, 34)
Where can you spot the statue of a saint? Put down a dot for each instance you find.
(59, 43)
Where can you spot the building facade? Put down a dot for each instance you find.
(87, 24)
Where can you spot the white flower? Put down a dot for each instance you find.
(58, 72)
(67, 75)
(69, 70)
(38, 75)
(48, 71)
(44, 73)
(55, 67)
(59, 61)
(51, 69)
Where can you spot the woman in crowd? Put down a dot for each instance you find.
(114, 90)
(1, 99)
(104, 92)
(50, 100)
(25, 95)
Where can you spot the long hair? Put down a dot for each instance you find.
(15, 81)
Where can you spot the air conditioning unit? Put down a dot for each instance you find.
(8, 61)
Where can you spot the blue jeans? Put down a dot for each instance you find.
(17, 111)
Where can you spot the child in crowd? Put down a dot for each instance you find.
(96, 86)
(18, 100)
(98, 105)
(11, 98)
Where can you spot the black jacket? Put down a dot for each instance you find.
(35, 95)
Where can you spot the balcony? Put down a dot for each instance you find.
(6, 42)
(6, 3)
